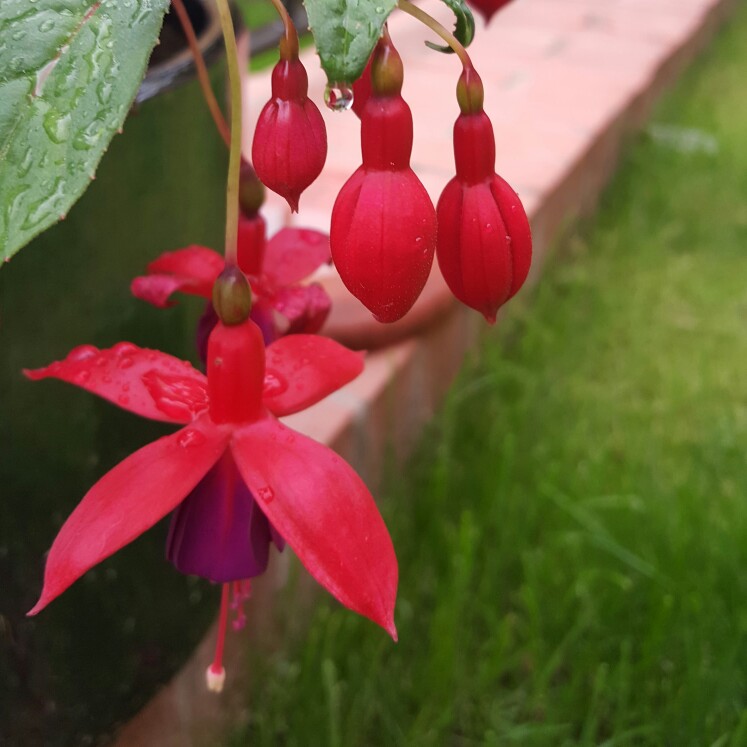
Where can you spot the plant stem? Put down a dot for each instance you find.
(289, 44)
(234, 160)
(437, 28)
(202, 73)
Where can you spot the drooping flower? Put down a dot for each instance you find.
(275, 268)
(383, 232)
(484, 239)
(304, 492)
(290, 142)
(488, 8)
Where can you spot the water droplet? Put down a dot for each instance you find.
(57, 126)
(338, 97)
(82, 353)
(18, 35)
(107, 379)
(266, 493)
(46, 207)
(125, 387)
(126, 363)
(123, 399)
(25, 166)
(46, 25)
(191, 437)
(274, 384)
(124, 348)
(82, 377)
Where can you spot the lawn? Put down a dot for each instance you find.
(572, 532)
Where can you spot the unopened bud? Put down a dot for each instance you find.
(232, 296)
(251, 190)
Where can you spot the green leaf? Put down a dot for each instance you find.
(69, 70)
(464, 29)
(345, 32)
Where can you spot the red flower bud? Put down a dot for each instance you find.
(488, 7)
(290, 142)
(484, 240)
(383, 230)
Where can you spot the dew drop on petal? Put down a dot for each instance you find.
(191, 437)
(126, 362)
(274, 384)
(82, 377)
(82, 353)
(266, 494)
(338, 97)
(124, 348)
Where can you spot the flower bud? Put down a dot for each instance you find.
(484, 240)
(383, 229)
(251, 190)
(290, 142)
(488, 7)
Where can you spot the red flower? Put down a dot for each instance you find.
(488, 7)
(290, 142)
(383, 231)
(484, 240)
(314, 499)
(274, 267)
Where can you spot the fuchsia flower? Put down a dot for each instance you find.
(484, 240)
(290, 142)
(383, 231)
(231, 439)
(274, 267)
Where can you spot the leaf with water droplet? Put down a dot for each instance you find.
(345, 32)
(68, 74)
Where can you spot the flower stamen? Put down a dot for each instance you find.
(215, 675)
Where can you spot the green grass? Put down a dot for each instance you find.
(572, 534)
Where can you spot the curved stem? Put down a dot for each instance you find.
(437, 28)
(202, 73)
(288, 44)
(234, 160)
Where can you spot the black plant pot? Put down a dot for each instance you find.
(99, 652)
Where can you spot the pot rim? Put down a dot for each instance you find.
(181, 67)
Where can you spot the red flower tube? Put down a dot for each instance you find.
(484, 240)
(383, 230)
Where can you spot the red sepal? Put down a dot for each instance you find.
(292, 254)
(147, 382)
(129, 499)
(190, 270)
(306, 307)
(326, 514)
(301, 370)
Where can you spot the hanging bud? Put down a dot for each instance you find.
(488, 7)
(290, 142)
(252, 230)
(383, 231)
(484, 240)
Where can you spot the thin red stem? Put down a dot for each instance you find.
(202, 72)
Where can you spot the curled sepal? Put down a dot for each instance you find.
(129, 499)
(325, 513)
(304, 369)
(190, 270)
(149, 383)
(464, 26)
